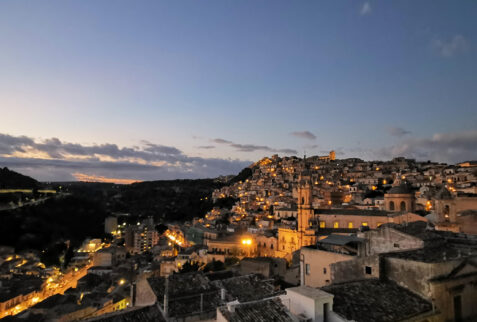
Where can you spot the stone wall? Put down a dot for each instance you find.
(356, 269)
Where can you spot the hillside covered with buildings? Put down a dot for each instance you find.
(296, 239)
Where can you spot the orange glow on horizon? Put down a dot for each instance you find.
(92, 178)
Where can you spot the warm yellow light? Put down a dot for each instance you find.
(122, 281)
(247, 241)
(385, 182)
(34, 300)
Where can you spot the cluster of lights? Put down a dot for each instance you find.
(246, 241)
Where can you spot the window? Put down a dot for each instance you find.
(396, 245)
(364, 224)
(350, 225)
(324, 270)
(391, 205)
(307, 267)
(336, 224)
(368, 270)
(403, 206)
(322, 224)
(271, 246)
(379, 224)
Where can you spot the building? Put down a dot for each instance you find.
(356, 218)
(290, 240)
(110, 225)
(455, 213)
(141, 238)
(400, 198)
(316, 260)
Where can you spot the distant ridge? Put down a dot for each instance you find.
(14, 180)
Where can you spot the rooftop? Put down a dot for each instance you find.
(417, 229)
(311, 292)
(143, 314)
(437, 254)
(247, 288)
(186, 292)
(353, 212)
(340, 240)
(262, 311)
(401, 189)
(374, 300)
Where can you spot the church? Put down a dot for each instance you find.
(290, 240)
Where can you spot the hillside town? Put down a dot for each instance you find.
(291, 239)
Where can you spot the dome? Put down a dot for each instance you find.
(399, 190)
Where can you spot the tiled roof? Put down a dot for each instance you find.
(247, 288)
(262, 311)
(373, 300)
(144, 314)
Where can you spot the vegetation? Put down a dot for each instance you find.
(13, 180)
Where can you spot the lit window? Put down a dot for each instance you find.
(364, 224)
(336, 224)
(350, 225)
(322, 224)
(379, 224)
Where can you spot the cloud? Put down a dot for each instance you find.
(304, 135)
(398, 131)
(206, 147)
(441, 147)
(54, 160)
(89, 178)
(252, 147)
(365, 9)
(222, 141)
(447, 48)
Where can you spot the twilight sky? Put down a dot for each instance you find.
(144, 90)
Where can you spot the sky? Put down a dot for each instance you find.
(146, 90)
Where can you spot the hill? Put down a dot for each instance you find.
(14, 180)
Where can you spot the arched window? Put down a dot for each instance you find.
(403, 206)
(391, 205)
(271, 246)
(302, 200)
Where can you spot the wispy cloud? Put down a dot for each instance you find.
(252, 147)
(52, 159)
(206, 147)
(365, 9)
(304, 135)
(458, 44)
(91, 178)
(398, 131)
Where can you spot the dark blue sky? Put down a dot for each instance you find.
(371, 79)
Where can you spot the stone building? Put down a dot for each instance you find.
(290, 240)
(400, 198)
(455, 213)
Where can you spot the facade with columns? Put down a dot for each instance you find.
(290, 240)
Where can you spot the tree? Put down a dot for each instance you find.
(189, 267)
(214, 266)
